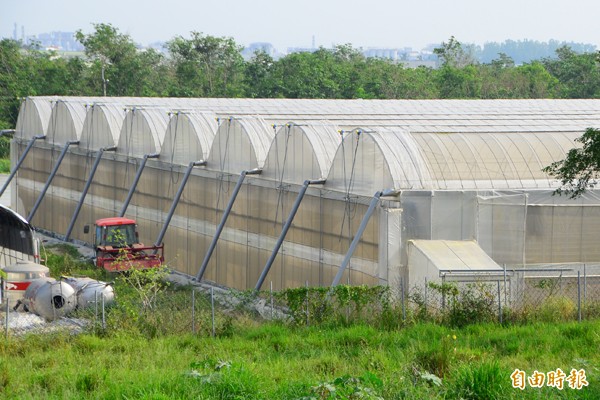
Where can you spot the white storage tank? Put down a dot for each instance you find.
(50, 298)
(89, 290)
(18, 278)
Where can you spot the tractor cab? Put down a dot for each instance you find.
(118, 247)
(116, 232)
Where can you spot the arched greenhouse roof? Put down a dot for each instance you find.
(188, 137)
(240, 144)
(390, 158)
(102, 126)
(34, 117)
(143, 131)
(512, 160)
(372, 160)
(301, 152)
(66, 121)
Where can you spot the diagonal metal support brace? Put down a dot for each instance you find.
(284, 231)
(359, 232)
(138, 175)
(88, 183)
(21, 159)
(188, 171)
(50, 178)
(215, 239)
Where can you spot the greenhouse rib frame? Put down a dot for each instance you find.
(460, 170)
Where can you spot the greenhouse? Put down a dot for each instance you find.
(289, 192)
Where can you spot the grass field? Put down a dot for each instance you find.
(273, 361)
(253, 359)
(4, 166)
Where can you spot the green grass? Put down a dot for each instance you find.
(4, 166)
(250, 359)
(273, 361)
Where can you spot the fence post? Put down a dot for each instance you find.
(103, 314)
(212, 309)
(443, 293)
(505, 302)
(584, 286)
(193, 312)
(579, 296)
(6, 318)
(425, 305)
(402, 297)
(271, 291)
(306, 285)
(499, 304)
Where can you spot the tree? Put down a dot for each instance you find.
(580, 169)
(453, 54)
(579, 74)
(207, 66)
(118, 68)
(258, 75)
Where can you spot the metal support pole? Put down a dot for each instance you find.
(443, 292)
(103, 313)
(271, 292)
(215, 239)
(499, 304)
(504, 271)
(21, 159)
(88, 183)
(138, 175)
(212, 308)
(284, 231)
(579, 295)
(307, 311)
(584, 286)
(6, 311)
(402, 299)
(193, 312)
(426, 300)
(188, 171)
(361, 229)
(63, 153)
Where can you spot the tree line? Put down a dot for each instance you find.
(205, 66)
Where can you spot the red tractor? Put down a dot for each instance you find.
(116, 241)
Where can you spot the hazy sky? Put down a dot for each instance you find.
(383, 23)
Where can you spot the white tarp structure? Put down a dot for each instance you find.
(463, 170)
(428, 259)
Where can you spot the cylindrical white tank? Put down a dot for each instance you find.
(89, 291)
(18, 278)
(50, 298)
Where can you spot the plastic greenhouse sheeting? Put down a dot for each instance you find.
(240, 144)
(466, 170)
(143, 131)
(102, 126)
(34, 115)
(301, 152)
(188, 137)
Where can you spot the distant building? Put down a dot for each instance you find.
(63, 41)
(268, 48)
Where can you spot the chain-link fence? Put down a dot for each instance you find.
(543, 293)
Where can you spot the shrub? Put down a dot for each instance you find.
(482, 381)
(472, 303)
